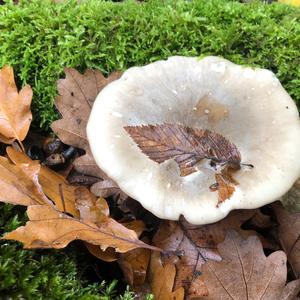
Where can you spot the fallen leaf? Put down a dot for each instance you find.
(289, 235)
(187, 146)
(19, 183)
(107, 188)
(96, 211)
(91, 209)
(15, 114)
(291, 290)
(161, 278)
(261, 220)
(224, 187)
(134, 265)
(190, 247)
(54, 185)
(109, 255)
(246, 273)
(49, 228)
(77, 94)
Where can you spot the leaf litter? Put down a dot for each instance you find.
(176, 260)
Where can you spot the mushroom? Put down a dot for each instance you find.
(247, 106)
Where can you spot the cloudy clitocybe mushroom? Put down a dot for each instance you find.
(246, 108)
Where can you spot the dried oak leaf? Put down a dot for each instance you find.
(15, 114)
(49, 228)
(110, 255)
(134, 265)
(77, 94)
(246, 273)
(289, 235)
(193, 246)
(96, 211)
(19, 183)
(54, 185)
(106, 188)
(161, 278)
(188, 147)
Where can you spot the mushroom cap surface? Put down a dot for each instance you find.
(248, 106)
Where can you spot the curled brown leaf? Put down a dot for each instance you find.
(15, 114)
(49, 228)
(77, 93)
(53, 184)
(19, 183)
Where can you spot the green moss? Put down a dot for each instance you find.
(45, 274)
(40, 38)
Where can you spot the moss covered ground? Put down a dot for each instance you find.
(49, 274)
(40, 38)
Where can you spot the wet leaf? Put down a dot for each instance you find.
(289, 235)
(161, 278)
(77, 93)
(15, 114)
(190, 247)
(49, 228)
(246, 273)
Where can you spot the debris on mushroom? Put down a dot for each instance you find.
(254, 160)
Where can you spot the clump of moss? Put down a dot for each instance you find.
(40, 40)
(45, 274)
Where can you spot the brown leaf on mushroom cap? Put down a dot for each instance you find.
(77, 94)
(289, 235)
(15, 114)
(195, 245)
(187, 146)
(49, 228)
(19, 183)
(224, 187)
(246, 273)
(161, 278)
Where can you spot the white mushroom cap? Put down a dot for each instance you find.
(247, 106)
